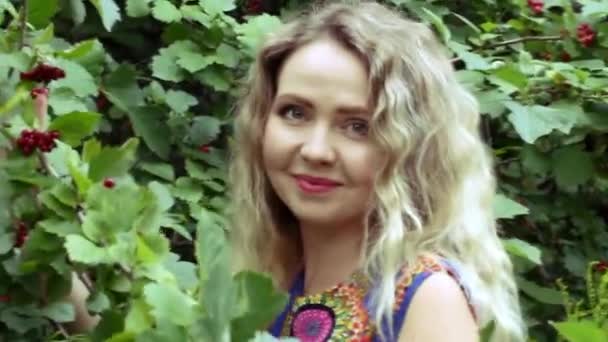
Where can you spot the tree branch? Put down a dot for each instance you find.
(524, 39)
(23, 23)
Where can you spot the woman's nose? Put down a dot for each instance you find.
(317, 147)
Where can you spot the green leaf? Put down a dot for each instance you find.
(227, 56)
(76, 126)
(59, 312)
(163, 196)
(187, 189)
(77, 79)
(78, 11)
(506, 208)
(113, 161)
(84, 251)
(523, 249)
(166, 12)
(98, 302)
(218, 291)
(59, 227)
(204, 129)
(121, 88)
(194, 61)
(595, 9)
(6, 242)
(164, 65)
(535, 161)
(509, 79)
(64, 100)
(39, 13)
(149, 123)
(180, 101)
(169, 304)
(572, 167)
(258, 303)
(439, 25)
(532, 122)
(138, 319)
(108, 11)
(492, 102)
(184, 272)
(162, 170)
(581, 331)
(254, 31)
(541, 294)
(138, 8)
(215, 7)
(472, 60)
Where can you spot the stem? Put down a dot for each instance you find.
(23, 23)
(524, 39)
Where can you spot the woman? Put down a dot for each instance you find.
(361, 185)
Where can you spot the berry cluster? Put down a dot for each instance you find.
(32, 139)
(21, 234)
(43, 73)
(536, 6)
(585, 34)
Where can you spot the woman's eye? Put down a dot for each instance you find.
(359, 127)
(291, 112)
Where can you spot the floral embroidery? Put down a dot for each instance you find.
(339, 314)
(313, 323)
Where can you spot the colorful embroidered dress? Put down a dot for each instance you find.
(342, 313)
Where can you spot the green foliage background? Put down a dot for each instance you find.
(147, 102)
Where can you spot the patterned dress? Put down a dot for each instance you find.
(341, 313)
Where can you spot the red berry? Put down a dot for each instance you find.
(602, 266)
(536, 6)
(205, 148)
(566, 57)
(109, 183)
(585, 34)
(21, 234)
(102, 102)
(254, 7)
(4, 298)
(43, 73)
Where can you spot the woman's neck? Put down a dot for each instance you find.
(331, 254)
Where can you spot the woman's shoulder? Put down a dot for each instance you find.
(445, 271)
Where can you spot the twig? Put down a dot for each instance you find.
(524, 39)
(23, 23)
(61, 329)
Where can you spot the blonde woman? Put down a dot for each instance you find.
(361, 184)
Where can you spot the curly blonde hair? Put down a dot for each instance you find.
(436, 191)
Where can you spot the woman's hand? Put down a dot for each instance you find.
(83, 321)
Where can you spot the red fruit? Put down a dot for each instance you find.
(21, 234)
(254, 7)
(205, 148)
(43, 73)
(39, 91)
(585, 34)
(602, 266)
(109, 183)
(102, 102)
(4, 298)
(536, 6)
(566, 57)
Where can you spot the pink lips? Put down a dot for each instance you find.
(315, 185)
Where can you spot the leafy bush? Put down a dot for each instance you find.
(142, 116)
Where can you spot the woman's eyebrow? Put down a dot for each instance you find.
(345, 109)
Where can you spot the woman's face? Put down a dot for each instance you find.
(317, 152)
